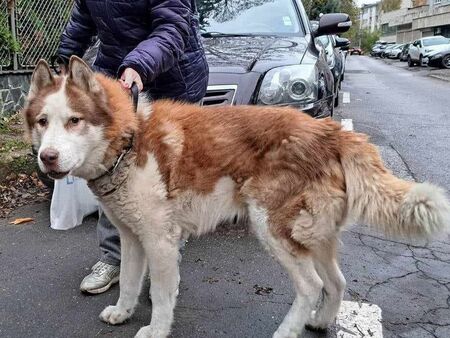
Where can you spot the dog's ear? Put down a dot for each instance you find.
(82, 75)
(42, 77)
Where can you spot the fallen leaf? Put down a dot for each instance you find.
(21, 220)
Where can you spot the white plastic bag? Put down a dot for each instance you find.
(72, 200)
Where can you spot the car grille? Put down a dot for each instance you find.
(219, 95)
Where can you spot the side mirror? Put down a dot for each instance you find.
(333, 23)
(342, 43)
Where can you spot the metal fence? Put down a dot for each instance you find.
(30, 30)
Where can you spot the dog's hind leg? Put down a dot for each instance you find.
(132, 270)
(334, 285)
(307, 283)
(162, 255)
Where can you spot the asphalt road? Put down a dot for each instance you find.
(406, 113)
(230, 287)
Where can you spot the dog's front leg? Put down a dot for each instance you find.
(162, 255)
(132, 270)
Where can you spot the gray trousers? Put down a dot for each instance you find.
(109, 240)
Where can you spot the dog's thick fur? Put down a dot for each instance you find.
(298, 180)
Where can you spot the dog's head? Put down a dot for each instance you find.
(73, 120)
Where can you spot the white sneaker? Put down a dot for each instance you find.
(101, 278)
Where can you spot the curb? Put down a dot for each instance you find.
(440, 77)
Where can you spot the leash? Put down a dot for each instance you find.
(135, 95)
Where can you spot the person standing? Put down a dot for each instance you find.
(157, 45)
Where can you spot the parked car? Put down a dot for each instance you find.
(385, 52)
(335, 58)
(395, 51)
(355, 50)
(404, 53)
(265, 53)
(420, 49)
(379, 48)
(440, 59)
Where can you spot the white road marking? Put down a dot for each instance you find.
(359, 320)
(345, 97)
(347, 124)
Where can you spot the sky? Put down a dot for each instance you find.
(361, 2)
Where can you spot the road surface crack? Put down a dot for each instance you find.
(387, 281)
(408, 169)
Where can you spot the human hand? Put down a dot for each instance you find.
(129, 76)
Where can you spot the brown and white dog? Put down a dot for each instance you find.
(172, 170)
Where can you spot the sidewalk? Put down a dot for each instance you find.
(437, 73)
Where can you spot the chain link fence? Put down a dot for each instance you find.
(34, 27)
(5, 35)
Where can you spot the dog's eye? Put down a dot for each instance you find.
(42, 122)
(75, 120)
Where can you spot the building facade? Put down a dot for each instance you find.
(369, 16)
(416, 19)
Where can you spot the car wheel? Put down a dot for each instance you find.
(410, 62)
(446, 62)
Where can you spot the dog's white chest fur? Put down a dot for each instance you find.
(141, 203)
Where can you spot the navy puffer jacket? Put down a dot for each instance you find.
(157, 38)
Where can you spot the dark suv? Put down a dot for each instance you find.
(263, 52)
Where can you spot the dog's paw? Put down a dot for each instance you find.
(314, 328)
(285, 334)
(151, 332)
(317, 322)
(115, 315)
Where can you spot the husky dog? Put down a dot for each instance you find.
(171, 170)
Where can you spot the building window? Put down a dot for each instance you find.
(386, 30)
(437, 2)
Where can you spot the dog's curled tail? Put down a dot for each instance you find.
(376, 197)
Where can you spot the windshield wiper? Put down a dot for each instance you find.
(220, 34)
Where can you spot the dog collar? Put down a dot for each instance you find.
(110, 181)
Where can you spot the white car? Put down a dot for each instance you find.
(394, 52)
(419, 49)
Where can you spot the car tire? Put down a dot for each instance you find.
(410, 62)
(446, 62)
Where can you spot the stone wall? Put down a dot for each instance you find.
(13, 90)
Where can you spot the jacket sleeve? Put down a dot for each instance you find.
(163, 47)
(78, 32)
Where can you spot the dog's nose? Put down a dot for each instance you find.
(49, 156)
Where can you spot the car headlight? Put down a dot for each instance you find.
(296, 84)
(436, 56)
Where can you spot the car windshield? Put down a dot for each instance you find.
(435, 41)
(258, 17)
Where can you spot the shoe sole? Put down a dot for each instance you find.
(102, 289)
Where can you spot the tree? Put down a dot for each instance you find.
(316, 7)
(390, 5)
